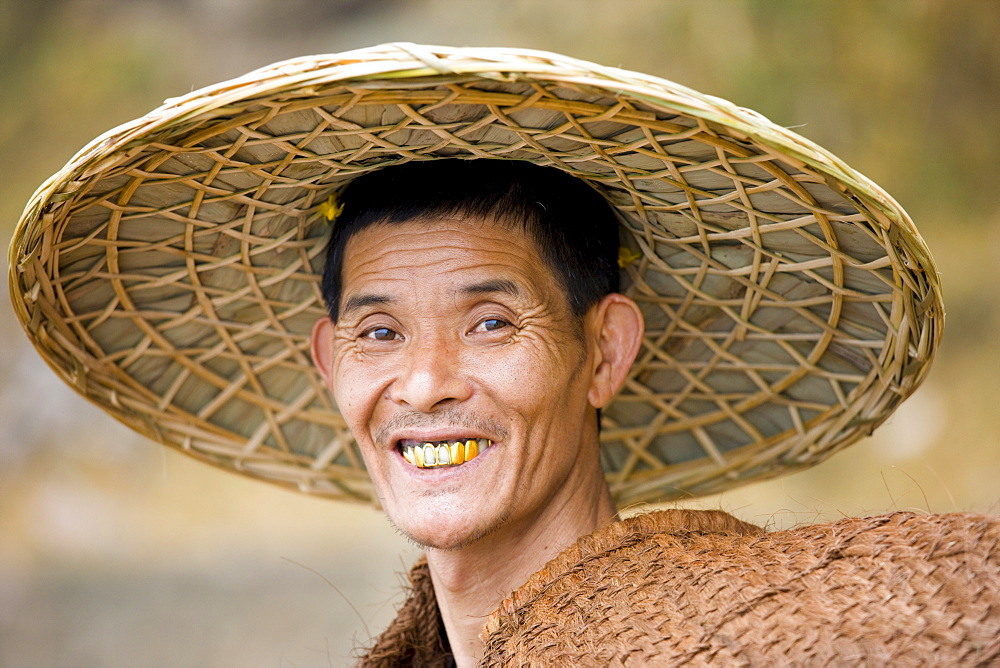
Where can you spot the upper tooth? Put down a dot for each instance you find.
(444, 453)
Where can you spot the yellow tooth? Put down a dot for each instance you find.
(457, 452)
(408, 455)
(430, 458)
(418, 456)
(471, 450)
(443, 455)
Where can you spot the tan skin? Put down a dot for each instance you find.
(455, 329)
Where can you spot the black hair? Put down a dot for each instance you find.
(573, 226)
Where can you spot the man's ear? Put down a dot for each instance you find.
(321, 347)
(620, 329)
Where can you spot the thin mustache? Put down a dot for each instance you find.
(447, 418)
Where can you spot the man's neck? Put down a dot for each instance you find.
(471, 582)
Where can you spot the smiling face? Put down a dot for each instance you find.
(452, 331)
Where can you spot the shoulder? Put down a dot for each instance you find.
(706, 587)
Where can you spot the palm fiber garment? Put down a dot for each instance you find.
(703, 588)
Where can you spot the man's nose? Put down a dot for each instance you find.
(430, 375)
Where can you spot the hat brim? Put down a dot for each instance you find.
(170, 272)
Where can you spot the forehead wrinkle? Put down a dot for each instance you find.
(361, 264)
(382, 256)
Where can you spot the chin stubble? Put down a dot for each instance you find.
(459, 543)
(447, 418)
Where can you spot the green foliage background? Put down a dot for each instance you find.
(115, 552)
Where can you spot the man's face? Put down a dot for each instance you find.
(454, 331)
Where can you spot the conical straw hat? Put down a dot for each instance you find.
(170, 271)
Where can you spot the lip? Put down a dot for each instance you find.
(434, 435)
(437, 435)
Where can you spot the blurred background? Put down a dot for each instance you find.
(115, 551)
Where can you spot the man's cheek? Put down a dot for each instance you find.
(345, 396)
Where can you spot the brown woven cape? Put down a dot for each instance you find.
(699, 588)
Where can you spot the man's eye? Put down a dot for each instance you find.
(381, 334)
(491, 324)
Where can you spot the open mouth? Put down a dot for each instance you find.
(434, 454)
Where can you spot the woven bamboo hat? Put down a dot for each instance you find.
(170, 271)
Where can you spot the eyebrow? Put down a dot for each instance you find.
(360, 301)
(492, 286)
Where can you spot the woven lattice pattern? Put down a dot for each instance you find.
(678, 589)
(170, 272)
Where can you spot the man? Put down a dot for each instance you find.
(505, 392)
(447, 327)
(474, 334)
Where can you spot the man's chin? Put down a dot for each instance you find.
(449, 534)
